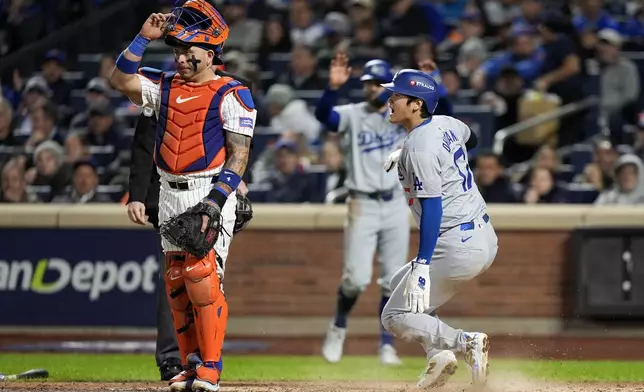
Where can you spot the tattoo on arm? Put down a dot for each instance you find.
(238, 147)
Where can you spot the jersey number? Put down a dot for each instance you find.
(463, 167)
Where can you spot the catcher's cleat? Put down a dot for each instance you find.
(439, 369)
(476, 357)
(183, 381)
(207, 379)
(170, 368)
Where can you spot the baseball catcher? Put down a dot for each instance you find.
(203, 136)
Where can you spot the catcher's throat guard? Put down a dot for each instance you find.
(184, 230)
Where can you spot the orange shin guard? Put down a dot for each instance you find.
(209, 306)
(180, 306)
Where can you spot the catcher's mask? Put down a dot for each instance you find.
(197, 23)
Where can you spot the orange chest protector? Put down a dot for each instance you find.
(190, 136)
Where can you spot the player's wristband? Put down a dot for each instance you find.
(137, 47)
(229, 178)
(420, 260)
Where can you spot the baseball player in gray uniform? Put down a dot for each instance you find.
(378, 218)
(457, 240)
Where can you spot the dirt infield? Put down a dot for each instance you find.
(506, 385)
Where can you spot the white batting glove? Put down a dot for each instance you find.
(392, 160)
(418, 287)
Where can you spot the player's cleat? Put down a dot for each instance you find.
(439, 369)
(182, 381)
(207, 380)
(388, 355)
(476, 357)
(170, 368)
(333, 345)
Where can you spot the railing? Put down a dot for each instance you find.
(566, 110)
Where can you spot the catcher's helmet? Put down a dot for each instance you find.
(417, 84)
(377, 70)
(197, 23)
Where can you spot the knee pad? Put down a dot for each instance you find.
(202, 282)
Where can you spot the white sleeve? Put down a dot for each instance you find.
(150, 94)
(236, 117)
(464, 130)
(425, 173)
(344, 112)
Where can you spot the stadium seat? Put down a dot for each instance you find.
(310, 96)
(89, 63)
(278, 63)
(580, 193)
(263, 137)
(42, 192)
(580, 156)
(114, 192)
(320, 174)
(565, 173)
(258, 192)
(76, 79)
(624, 149)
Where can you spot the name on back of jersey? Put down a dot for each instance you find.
(449, 138)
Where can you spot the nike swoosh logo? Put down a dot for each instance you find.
(183, 100)
(190, 268)
(175, 277)
(465, 239)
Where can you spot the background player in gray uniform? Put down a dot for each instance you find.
(457, 240)
(378, 218)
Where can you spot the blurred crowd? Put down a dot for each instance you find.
(65, 136)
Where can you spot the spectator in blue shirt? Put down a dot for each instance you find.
(523, 55)
(593, 17)
(633, 28)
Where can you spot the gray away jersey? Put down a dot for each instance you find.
(367, 139)
(434, 162)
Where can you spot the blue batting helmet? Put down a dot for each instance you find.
(417, 84)
(376, 70)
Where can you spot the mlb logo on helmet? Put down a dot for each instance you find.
(420, 84)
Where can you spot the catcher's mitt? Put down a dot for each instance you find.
(244, 213)
(184, 230)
